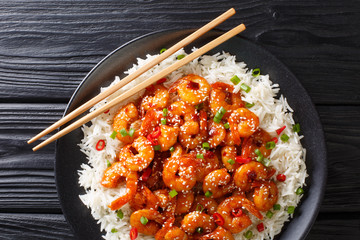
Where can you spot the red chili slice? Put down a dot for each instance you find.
(153, 141)
(100, 145)
(107, 111)
(146, 174)
(260, 227)
(242, 160)
(160, 81)
(275, 140)
(279, 131)
(281, 177)
(150, 88)
(237, 212)
(133, 233)
(218, 219)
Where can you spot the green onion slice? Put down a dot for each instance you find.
(173, 193)
(284, 137)
(248, 234)
(162, 50)
(249, 105)
(270, 145)
(299, 191)
(123, 132)
(199, 208)
(220, 113)
(208, 194)
(113, 135)
(199, 155)
(199, 230)
(144, 220)
(181, 56)
(231, 161)
(296, 128)
(131, 132)
(108, 163)
(165, 112)
(291, 209)
(120, 214)
(266, 162)
(157, 147)
(269, 214)
(114, 230)
(256, 72)
(206, 145)
(199, 106)
(172, 149)
(235, 80)
(245, 87)
(163, 121)
(226, 125)
(277, 207)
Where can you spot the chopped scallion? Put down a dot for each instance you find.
(220, 113)
(173, 193)
(181, 56)
(144, 220)
(299, 191)
(248, 234)
(172, 149)
(199, 208)
(123, 132)
(231, 161)
(120, 214)
(206, 145)
(284, 137)
(249, 105)
(131, 132)
(108, 163)
(226, 125)
(199, 106)
(165, 112)
(199, 155)
(235, 80)
(270, 145)
(245, 87)
(296, 127)
(162, 50)
(256, 72)
(266, 162)
(157, 147)
(269, 214)
(290, 209)
(199, 230)
(113, 135)
(208, 194)
(163, 121)
(114, 230)
(277, 207)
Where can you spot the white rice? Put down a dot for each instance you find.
(287, 158)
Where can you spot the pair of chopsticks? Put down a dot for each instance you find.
(226, 36)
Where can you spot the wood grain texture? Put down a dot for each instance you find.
(48, 47)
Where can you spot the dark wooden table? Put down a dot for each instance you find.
(47, 47)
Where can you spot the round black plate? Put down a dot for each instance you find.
(69, 158)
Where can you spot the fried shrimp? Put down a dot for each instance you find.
(218, 182)
(144, 199)
(243, 123)
(248, 173)
(207, 164)
(222, 95)
(256, 141)
(180, 112)
(157, 99)
(113, 174)
(228, 156)
(195, 220)
(217, 134)
(192, 89)
(219, 233)
(180, 173)
(155, 220)
(168, 137)
(166, 203)
(237, 223)
(204, 204)
(138, 155)
(193, 133)
(265, 195)
(122, 120)
(170, 232)
(131, 186)
(184, 201)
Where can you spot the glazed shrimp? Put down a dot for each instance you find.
(219, 233)
(233, 223)
(131, 187)
(184, 201)
(222, 96)
(256, 141)
(151, 120)
(195, 220)
(209, 163)
(204, 204)
(155, 220)
(228, 156)
(168, 137)
(192, 89)
(193, 133)
(248, 173)
(170, 232)
(113, 174)
(122, 120)
(265, 195)
(144, 199)
(243, 123)
(218, 182)
(158, 99)
(180, 173)
(217, 134)
(180, 112)
(230, 139)
(178, 151)
(138, 155)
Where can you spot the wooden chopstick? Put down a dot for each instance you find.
(226, 36)
(137, 73)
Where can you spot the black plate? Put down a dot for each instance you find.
(69, 158)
